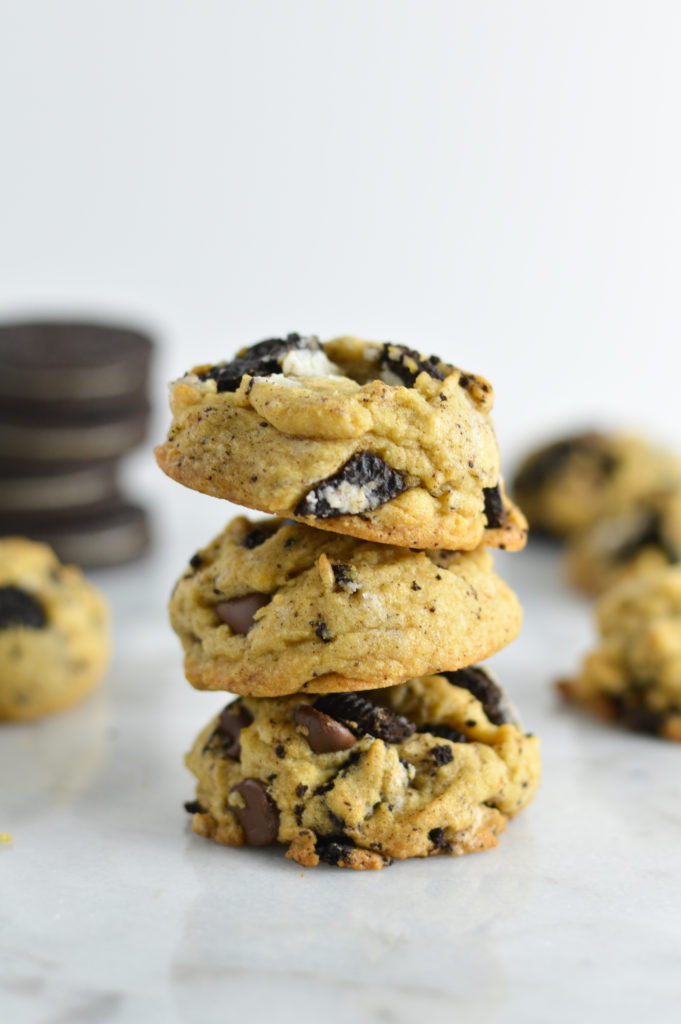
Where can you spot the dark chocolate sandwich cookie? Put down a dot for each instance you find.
(27, 492)
(72, 366)
(56, 440)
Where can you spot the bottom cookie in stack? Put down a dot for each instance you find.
(435, 765)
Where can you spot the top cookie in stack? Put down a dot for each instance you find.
(365, 439)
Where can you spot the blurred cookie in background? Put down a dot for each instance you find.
(635, 542)
(634, 676)
(568, 485)
(54, 631)
(73, 404)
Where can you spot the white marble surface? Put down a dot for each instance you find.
(112, 911)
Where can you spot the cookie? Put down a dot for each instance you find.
(569, 485)
(102, 535)
(56, 443)
(432, 766)
(368, 440)
(634, 676)
(25, 492)
(636, 542)
(72, 368)
(54, 632)
(275, 607)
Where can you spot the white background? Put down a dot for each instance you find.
(497, 182)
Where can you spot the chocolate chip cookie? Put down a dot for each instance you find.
(54, 631)
(274, 607)
(569, 485)
(369, 440)
(636, 542)
(432, 766)
(634, 677)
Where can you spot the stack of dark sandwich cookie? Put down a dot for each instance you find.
(351, 623)
(73, 404)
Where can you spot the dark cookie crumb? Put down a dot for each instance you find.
(19, 608)
(364, 718)
(414, 585)
(407, 364)
(477, 682)
(322, 631)
(442, 754)
(259, 360)
(334, 849)
(546, 464)
(280, 750)
(193, 807)
(255, 537)
(346, 578)
(367, 473)
(638, 718)
(495, 513)
(196, 561)
(437, 838)
(444, 732)
(301, 790)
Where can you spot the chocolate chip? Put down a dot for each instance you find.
(495, 512)
(407, 364)
(364, 718)
(364, 483)
(443, 732)
(477, 682)
(259, 818)
(19, 608)
(324, 734)
(193, 807)
(233, 719)
(259, 360)
(442, 754)
(238, 613)
(334, 849)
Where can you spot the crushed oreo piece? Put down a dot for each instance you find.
(233, 719)
(196, 561)
(19, 608)
(477, 682)
(322, 631)
(345, 577)
(364, 483)
(407, 364)
(437, 838)
(650, 533)
(259, 817)
(442, 754)
(495, 513)
(542, 467)
(193, 807)
(334, 849)
(324, 733)
(364, 718)
(255, 537)
(638, 718)
(443, 732)
(259, 360)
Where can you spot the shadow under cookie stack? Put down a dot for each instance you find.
(350, 624)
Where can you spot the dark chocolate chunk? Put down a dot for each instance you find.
(193, 807)
(259, 360)
(495, 512)
(364, 718)
(477, 682)
(442, 754)
(443, 732)
(259, 818)
(324, 734)
(233, 719)
(238, 613)
(364, 483)
(334, 849)
(407, 364)
(19, 608)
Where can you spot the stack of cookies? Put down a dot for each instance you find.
(351, 623)
(73, 404)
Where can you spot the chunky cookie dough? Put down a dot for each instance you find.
(635, 674)
(274, 607)
(635, 542)
(370, 440)
(54, 631)
(433, 766)
(573, 483)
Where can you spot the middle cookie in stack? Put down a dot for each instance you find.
(389, 453)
